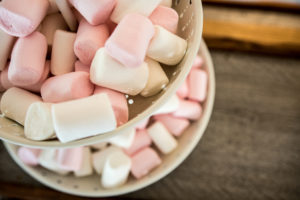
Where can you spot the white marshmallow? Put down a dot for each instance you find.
(170, 106)
(86, 165)
(47, 159)
(84, 117)
(123, 140)
(167, 3)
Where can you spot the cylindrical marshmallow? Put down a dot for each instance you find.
(161, 137)
(86, 168)
(63, 57)
(70, 159)
(165, 17)
(116, 170)
(15, 103)
(124, 139)
(7, 42)
(167, 3)
(129, 41)
(38, 122)
(29, 156)
(183, 90)
(52, 7)
(144, 161)
(157, 79)
(170, 106)
(107, 72)
(74, 85)
(66, 11)
(21, 17)
(88, 40)
(125, 7)
(198, 62)
(141, 140)
(198, 85)
(188, 109)
(175, 125)
(166, 47)
(80, 67)
(82, 118)
(2, 89)
(6, 84)
(28, 60)
(94, 11)
(47, 159)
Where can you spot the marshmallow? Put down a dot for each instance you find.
(29, 156)
(170, 106)
(70, 159)
(165, 17)
(74, 85)
(86, 168)
(6, 84)
(82, 118)
(118, 102)
(107, 72)
(198, 62)
(167, 3)
(47, 159)
(188, 109)
(66, 11)
(80, 67)
(38, 122)
(175, 125)
(166, 47)
(141, 140)
(2, 89)
(28, 60)
(125, 7)
(142, 124)
(157, 79)
(123, 140)
(161, 137)
(116, 170)
(183, 90)
(63, 56)
(94, 11)
(52, 7)
(21, 17)
(88, 40)
(100, 146)
(7, 42)
(15, 103)
(198, 85)
(111, 25)
(129, 41)
(144, 161)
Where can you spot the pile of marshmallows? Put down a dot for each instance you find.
(82, 76)
(130, 152)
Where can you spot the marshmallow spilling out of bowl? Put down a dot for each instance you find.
(66, 65)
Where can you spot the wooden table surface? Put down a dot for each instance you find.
(250, 150)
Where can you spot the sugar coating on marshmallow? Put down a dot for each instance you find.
(165, 17)
(141, 140)
(66, 11)
(198, 85)
(70, 158)
(48, 159)
(7, 42)
(29, 156)
(86, 167)
(188, 109)
(123, 139)
(175, 125)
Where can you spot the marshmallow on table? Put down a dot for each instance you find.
(167, 3)
(66, 11)
(63, 57)
(86, 164)
(142, 124)
(74, 85)
(144, 161)
(161, 137)
(21, 17)
(116, 170)
(157, 79)
(166, 47)
(70, 159)
(82, 118)
(88, 40)
(107, 72)
(175, 125)
(170, 106)
(48, 159)
(129, 41)
(125, 7)
(118, 102)
(198, 62)
(124, 139)
(52, 7)
(141, 140)
(29, 156)
(38, 122)
(80, 67)
(94, 11)
(15, 103)
(188, 109)
(165, 17)
(99, 146)
(28, 60)
(198, 85)
(183, 90)
(7, 42)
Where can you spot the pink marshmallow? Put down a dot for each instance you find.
(2, 89)
(29, 156)
(111, 25)
(6, 84)
(198, 62)
(118, 102)
(144, 161)
(183, 90)
(174, 125)
(143, 124)
(165, 17)
(141, 140)
(188, 109)
(74, 85)
(7, 43)
(94, 11)
(79, 66)
(129, 42)
(70, 159)
(198, 85)
(28, 60)
(88, 40)
(21, 17)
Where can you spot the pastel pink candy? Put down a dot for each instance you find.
(174, 125)
(79, 66)
(198, 62)
(6, 84)
(94, 11)
(70, 159)
(198, 85)
(28, 60)
(29, 156)
(129, 41)
(143, 124)
(188, 109)
(74, 85)
(165, 17)
(21, 17)
(141, 140)
(144, 161)
(183, 90)
(118, 102)
(88, 40)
